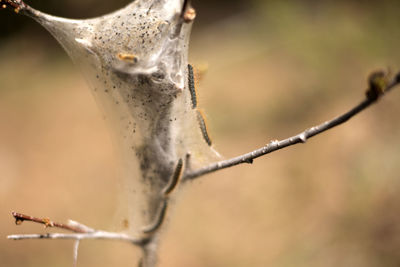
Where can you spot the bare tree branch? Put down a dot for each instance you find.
(80, 236)
(71, 226)
(79, 230)
(75, 253)
(379, 85)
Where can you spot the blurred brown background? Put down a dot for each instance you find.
(275, 68)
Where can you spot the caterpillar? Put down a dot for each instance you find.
(130, 58)
(174, 179)
(159, 220)
(203, 127)
(191, 86)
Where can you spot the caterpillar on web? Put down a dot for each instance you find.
(203, 127)
(192, 87)
(174, 179)
(159, 220)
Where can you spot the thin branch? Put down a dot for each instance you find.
(79, 230)
(75, 253)
(71, 226)
(81, 236)
(378, 87)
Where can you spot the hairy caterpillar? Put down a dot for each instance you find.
(174, 178)
(192, 87)
(203, 127)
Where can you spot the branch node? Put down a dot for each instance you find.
(189, 15)
(249, 161)
(47, 222)
(188, 12)
(378, 82)
(303, 137)
(273, 143)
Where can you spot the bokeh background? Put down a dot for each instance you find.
(275, 68)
